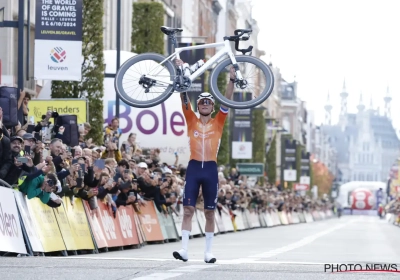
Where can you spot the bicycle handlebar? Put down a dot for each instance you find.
(239, 33)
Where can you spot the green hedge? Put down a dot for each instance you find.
(147, 19)
(91, 86)
(271, 162)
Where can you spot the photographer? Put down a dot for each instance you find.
(127, 194)
(160, 195)
(23, 164)
(40, 187)
(146, 182)
(112, 151)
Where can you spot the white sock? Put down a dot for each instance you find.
(185, 239)
(209, 238)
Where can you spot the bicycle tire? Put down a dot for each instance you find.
(242, 104)
(129, 63)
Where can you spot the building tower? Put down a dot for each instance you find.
(343, 103)
(360, 105)
(328, 109)
(343, 107)
(387, 100)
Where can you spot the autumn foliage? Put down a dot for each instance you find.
(322, 177)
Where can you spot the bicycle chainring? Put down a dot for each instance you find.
(182, 83)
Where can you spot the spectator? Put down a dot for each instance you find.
(112, 151)
(127, 194)
(24, 100)
(17, 168)
(160, 199)
(41, 186)
(128, 148)
(112, 132)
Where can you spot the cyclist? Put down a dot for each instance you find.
(204, 139)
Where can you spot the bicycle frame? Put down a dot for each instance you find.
(226, 50)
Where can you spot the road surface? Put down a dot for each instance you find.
(286, 252)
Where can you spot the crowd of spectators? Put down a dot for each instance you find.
(120, 173)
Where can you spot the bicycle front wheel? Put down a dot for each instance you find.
(258, 77)
(145, 80)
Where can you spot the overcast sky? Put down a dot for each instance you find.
(323, 41)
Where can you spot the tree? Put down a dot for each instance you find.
(271, 162)
(91, 87)
(322, 177)
(146, 21)
(259, 138)
(299, 149)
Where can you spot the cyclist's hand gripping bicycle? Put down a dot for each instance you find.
(148, 79)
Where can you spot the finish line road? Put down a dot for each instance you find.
(286, 252)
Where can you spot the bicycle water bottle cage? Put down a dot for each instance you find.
(239, 37)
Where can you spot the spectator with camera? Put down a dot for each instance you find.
(41, 186)
(128, 193)
(23, 164)
(128, 148)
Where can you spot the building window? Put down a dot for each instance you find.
(360, 177)
(355, 177)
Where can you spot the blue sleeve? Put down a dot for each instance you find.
(36, 173)
(63, 174)
(102, 192)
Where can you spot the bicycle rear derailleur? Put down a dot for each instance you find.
(146, 83)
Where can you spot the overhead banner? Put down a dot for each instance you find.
(242, 145)
(58, 40)
(39, 108)
(289, 160)
(191, 57)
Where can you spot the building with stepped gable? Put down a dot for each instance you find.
(366, 142)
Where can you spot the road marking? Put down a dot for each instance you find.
(172, 272)
(298, 244)
(159, 276)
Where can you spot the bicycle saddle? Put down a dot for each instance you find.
(169, 30)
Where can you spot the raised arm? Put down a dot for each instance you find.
(230, 86)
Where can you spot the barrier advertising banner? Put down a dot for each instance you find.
(29, 225)
(95, 225)
(150, 224)
(46, 225)
(65, 229)
(126, 222)
(11, 237)
(58, 40)
(39, 107)
(78, 223)
(242, 145)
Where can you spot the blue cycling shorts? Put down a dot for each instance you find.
(204, 175)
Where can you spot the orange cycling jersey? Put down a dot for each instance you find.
(204, 139)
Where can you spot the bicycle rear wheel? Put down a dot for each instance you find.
(131, 80)
(257, 74)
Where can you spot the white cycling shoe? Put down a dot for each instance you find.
(209, 258)
(181, 255)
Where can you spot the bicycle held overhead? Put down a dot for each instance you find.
(149, 79)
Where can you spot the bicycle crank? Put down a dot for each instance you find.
(146, 83)
(182, 83)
